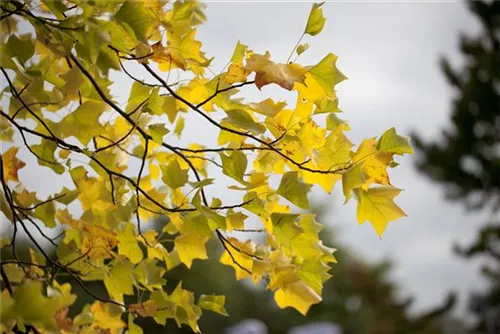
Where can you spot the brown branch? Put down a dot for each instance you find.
(222, 240)
(218, 91)
(237, 248)
(43, 20)
(143, 133)
(114, 143)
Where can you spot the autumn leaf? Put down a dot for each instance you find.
(190, 247)
(297, 295)
(377, 206)
(128, 245)
(268, 72)
(139, 181)
(11, 165)
(146, 309)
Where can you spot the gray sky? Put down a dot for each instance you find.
(389, 52)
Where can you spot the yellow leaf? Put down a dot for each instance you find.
(190, 247)
(236, 73)
(268, 107)
(127, 244)
(377, 206)
(239, 53)
(325, 181)
(11, 165)
(183, 52)
(242, 262)
(370, 166)
(119, 281)
(312, 137)
(297, 295)
(132, 327)
(267, 72)
(106, 316)
(320, 80)
(184, 299)
(235, 220)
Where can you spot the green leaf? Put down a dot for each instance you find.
(327, 74)
(45, 213)
(173, 175)
(56, 7)
(314, 273)
(83, 123)
(136, 16)
(179, 126)
(285, 227)
(138, 94)
(170, 108)
(4, 241)
(243, 120)
(391, 142)
(316, 20)
(302, 48)
(119, 281)
(22, 48)
(45, 155)
(239, 53)
(149, 274)
(294, 189)
(234, 165)
(202, 183)
(32, 307)
(327, 106)
(73, 79)
(154, 105)
(157, 131)
(213, 303)
(353, 178)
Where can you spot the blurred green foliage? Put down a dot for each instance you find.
(466, 159)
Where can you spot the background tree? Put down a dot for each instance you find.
(466, 159)
(118, 163)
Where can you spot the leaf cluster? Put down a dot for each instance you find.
(125, 168)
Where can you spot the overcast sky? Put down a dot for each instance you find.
(389, 52)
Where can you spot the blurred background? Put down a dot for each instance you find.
(432, 70)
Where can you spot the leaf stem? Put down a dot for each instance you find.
(295, 47)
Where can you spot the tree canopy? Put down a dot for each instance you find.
(120, 164)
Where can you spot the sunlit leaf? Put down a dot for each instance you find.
(377, 206)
